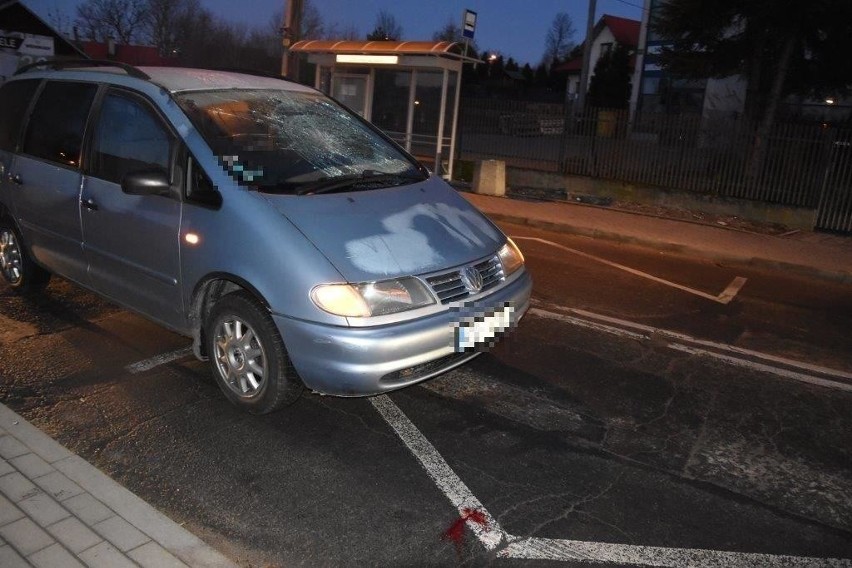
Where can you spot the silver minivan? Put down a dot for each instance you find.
(291, 240)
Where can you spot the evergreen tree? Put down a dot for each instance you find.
(610, 84)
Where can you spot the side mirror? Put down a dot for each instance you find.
(147, 182)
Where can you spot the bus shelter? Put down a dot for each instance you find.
(409, 89)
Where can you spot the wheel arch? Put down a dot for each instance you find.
(205, 295)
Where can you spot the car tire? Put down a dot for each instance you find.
(16, 266)
(247, 355)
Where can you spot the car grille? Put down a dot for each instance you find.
(448, 286)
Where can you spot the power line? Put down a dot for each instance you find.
(631, 4)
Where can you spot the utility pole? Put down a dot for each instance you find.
(587, 58)
(290, 35)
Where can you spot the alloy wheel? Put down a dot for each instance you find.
(240, 357)
(10, 257)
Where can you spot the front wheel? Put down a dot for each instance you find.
(18, 269)
(247, 356)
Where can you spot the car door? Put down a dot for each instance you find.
(131, 241)
(47, 175)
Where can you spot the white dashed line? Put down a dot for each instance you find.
(730, 354)
(725, 297)
(148, 364)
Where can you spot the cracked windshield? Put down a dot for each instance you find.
(295, 143)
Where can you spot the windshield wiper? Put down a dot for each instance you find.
(355, 181)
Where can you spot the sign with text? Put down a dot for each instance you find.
(469, 24)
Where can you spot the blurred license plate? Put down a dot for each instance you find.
(479, 330)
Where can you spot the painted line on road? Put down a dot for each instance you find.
(488, 532)
(728, 294)
(156, 361)
(730, 354)
(493, 537)
(597, 552)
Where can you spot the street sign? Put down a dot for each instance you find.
(469, 24)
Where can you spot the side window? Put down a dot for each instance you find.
(55, 130)
(15, 97)
(199, 188)
(129, 137)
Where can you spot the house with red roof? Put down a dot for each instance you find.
(608, 33)
(130, 54)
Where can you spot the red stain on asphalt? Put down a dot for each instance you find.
(455, 533)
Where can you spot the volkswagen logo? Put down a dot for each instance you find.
(472, 279)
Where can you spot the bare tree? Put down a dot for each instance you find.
(452, 32)
(559, 40)
(335, 31)
(60, 20)
(387, 28)
(120, 19)
(161, 22)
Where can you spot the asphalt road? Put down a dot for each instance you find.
(604, 442)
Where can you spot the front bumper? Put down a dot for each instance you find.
(363, 361)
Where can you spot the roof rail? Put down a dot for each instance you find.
(70, 63)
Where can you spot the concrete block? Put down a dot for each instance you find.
(11, 559)
(12, 448)
(54, 556)
(105, 555)
(121, 533)
(8, 513)
(31, 465)
(17, 487)
(58, 485)
(32, 437)
(43, 509)
(5, 467)
(25, 536)
(152, 555)
(74, 534)
(489, 177)
(88, 509)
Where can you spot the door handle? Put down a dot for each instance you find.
(16, 178)
(89, 204)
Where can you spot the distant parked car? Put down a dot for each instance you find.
(291, 240)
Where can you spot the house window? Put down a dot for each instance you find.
(606, 48)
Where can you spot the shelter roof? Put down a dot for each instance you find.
(447, 49)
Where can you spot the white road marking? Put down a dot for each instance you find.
(493, 537)
(148, 364)
(738, 356)
(725, 297)
(489, 533)
(598, 552)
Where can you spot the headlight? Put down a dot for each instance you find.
(372, 298)
(511, 257)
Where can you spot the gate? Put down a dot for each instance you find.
(834, 212)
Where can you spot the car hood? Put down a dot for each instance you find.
(386, 233)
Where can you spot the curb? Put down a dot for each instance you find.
(178, 541)
(839, 276)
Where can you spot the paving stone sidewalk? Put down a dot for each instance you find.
(809, 254)
(57, 510)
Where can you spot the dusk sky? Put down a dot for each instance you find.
(513, 28)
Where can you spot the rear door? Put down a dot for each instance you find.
(47, 173)
(15, 100)
(131, 241)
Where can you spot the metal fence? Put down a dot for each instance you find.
(806, 165)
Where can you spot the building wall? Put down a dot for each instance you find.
(604, 37)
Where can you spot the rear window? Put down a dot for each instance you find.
(55, 130)
(280, 141)
(15, 99)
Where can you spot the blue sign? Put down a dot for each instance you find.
(469, 24)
